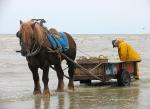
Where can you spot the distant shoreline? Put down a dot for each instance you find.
(99, 34)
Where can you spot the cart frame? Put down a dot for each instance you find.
(122, 71)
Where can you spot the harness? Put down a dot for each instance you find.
(58, 43)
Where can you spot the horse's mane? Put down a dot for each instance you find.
(35, 30)
(39, 33)
(26, 31)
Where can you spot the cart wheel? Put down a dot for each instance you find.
(85, 81)
(123, 78)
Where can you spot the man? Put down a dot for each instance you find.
(126, 52)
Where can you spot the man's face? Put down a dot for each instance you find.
(116, 44)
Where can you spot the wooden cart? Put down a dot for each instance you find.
(103, 70)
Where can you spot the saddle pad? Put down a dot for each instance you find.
(61, 43)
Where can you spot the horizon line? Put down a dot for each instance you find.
(94, 33)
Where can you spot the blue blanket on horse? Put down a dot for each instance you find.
(61, 43)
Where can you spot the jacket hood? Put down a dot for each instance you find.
(119, 41)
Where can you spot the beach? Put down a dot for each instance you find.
(16, 82)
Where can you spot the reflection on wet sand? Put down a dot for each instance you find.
(37, 102)
(40, 101)
(110, 97)
(61, 101)
(92, 97)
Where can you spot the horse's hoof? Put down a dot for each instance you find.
(70, 85)
(71, 88)
(37, 93)
(59, 90)
(46, 93)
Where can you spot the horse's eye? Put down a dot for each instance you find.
(18, 34)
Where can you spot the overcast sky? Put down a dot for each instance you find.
(79, 16)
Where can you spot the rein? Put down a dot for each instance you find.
(78, 65)
(35, 52)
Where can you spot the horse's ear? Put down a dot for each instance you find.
(33, 25)
(21, 22)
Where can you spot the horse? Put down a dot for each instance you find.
(39, 53)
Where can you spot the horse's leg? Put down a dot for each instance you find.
(71, 67)
(60, 75)
(37, 88)
(45, 80)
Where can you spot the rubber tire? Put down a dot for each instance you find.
(123, 78)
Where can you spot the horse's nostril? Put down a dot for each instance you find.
(23, 53)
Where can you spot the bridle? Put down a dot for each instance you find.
(35, 46)
(37, 50)
(32, 51)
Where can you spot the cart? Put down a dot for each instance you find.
(101, 69)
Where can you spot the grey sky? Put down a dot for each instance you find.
(79, 16)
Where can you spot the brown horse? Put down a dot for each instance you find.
(35, 47)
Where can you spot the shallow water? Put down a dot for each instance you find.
(16, 84)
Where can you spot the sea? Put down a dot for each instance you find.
(16, 82)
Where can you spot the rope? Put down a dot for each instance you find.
(64, 74)
(81, 68)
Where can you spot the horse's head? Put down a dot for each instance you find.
(30, 34)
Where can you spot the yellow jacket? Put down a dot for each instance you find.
(127, 52)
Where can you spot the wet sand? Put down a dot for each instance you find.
(16, 84)
(87, 97)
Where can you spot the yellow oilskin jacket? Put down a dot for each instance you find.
(127, 52)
